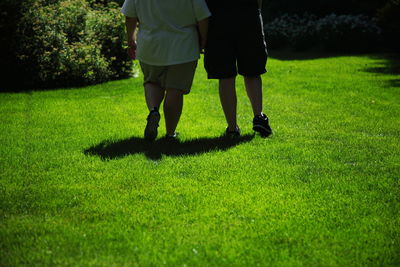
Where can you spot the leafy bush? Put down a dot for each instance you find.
(348, 33)
(69, 42)
(102, 30)
(273, 9)
(277, 33)
(94, 3)
(296, 32)
(344, 33)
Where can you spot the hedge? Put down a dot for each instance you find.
(64, 42)
(336, 33)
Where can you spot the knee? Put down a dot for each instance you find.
(172, 92)
(252, 78)
(153, 86)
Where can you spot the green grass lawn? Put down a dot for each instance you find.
(79, 186)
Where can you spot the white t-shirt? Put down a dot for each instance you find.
(167, 29)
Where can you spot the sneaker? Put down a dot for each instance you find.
(150, 132)
(261, 125)
(172, 136)
(232, 134)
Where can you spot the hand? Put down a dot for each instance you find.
(202, 46)
(132, 49)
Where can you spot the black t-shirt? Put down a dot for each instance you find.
(234, 7)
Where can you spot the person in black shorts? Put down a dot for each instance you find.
(236, 45)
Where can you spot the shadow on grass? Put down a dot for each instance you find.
(107, 150)
(387, 64)
(12, 85)
(288, 55)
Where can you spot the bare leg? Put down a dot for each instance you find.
(254, 92)
(172, 109)
(227, 96)
(154, 95)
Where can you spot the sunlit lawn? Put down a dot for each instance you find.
(79, 186)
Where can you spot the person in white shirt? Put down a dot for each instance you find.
(170, 36)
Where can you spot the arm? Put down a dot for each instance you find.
(131, 24)
(203, 29)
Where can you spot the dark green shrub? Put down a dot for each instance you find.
(344, 33)
(277, 34)
(103, 3)
(86, 62)
(273, 9)
(67, 42)
(72, 16)
(102, 30)
(39, 43)
(348, 33)
(293, 31)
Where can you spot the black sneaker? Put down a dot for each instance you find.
(232, 134)
(150, 132)
(173, 136)
(261, 125)
(171, 139)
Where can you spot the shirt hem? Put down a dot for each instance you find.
(167, 63)
(204, 17)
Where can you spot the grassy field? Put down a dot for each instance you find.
(79, 186)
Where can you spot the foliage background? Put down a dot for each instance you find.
(358, 22)
(55, 43)
(275, 8)
(49, 43)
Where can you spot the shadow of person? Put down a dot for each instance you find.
(109, 149)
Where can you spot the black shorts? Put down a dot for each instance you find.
(235, 45)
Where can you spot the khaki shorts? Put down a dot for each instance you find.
(178, 76)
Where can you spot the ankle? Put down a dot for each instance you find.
(233, 128)
(171, 133)
(259, 115)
